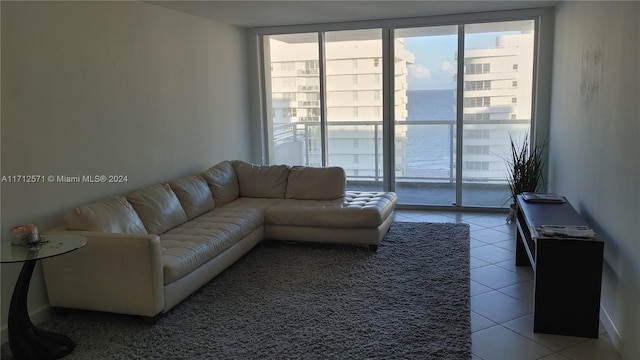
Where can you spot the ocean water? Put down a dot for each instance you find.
(431, 105)
(428, 147)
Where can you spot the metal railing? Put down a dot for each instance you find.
(308, 132)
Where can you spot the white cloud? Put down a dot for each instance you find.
(447, 67)
(419, 72)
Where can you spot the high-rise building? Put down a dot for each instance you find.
(497, 104)
(354, 104)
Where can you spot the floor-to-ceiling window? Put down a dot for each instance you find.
(497, 87)
(459, 92)
(429, 127)
(294, 131)
(353, 63)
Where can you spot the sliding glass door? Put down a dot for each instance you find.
(294, 131)
(325, 103)
(498, 79)
(428, 172)
(491, 103)
(454, 96)
(353, 63)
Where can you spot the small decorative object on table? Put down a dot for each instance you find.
(26, 234)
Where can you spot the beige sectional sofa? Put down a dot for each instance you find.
(149, 249)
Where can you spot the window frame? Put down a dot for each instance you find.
(541, 73)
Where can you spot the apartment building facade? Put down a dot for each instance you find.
(497, 104)
(354, 104)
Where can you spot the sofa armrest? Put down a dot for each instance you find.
(119, 273)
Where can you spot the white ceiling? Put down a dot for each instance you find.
(250, 14)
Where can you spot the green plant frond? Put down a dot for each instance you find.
(525, 167)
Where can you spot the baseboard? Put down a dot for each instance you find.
(37, 317)
(610, 326)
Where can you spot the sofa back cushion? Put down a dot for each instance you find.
(113, 215)
(315, 183)
(259, 181)
(158, 208)
(194, 195)
(223, 182)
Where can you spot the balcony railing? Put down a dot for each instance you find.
(309, 103)
(308, 87)
(370, 133)
(308, 72)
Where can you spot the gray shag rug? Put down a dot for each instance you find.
(408, 300)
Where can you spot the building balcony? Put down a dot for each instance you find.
(307, 72)
(312, 88)
(310, 103)
(413, 193)
(425, 156)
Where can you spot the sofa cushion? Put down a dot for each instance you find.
(223, 182)
(194, 195)
(113, 215)
(315, 183)
(190, 245)
(158, 207)
(356, 210)
(261, 181)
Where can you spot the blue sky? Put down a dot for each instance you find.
(435, 64)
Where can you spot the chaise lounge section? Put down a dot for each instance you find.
(149, 249)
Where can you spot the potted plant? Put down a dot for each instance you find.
(525, 169)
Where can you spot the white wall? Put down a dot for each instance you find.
(594, 145)
(122, 88)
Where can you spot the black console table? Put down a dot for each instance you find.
(567, 271)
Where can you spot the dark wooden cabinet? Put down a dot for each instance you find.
(567, 271)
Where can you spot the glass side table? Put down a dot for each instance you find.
(26, 341)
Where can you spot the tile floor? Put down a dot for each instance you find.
(502, 296)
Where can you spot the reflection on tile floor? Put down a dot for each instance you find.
(502, 296)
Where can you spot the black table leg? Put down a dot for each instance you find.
(26, 341)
